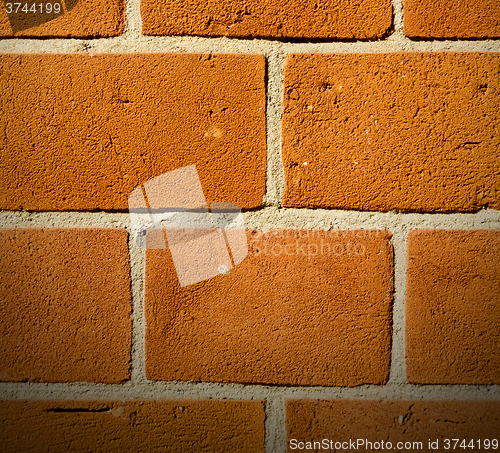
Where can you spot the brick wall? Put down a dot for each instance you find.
(361, 141)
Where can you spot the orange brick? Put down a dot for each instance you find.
(302, 19)
(81, 132)
(452, 310)
(76, 19)
(139, 426)
(392, 421)
(66, 305)
(444, 19)
(304, 308)
(399, 131)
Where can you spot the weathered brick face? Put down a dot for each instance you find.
(452, 311)
(66, 305)
(305, 308)
(305, 19)
(405, 425)
(71, 19)
(117, 426)
(399, 131)
(442, 19)
(92, 128)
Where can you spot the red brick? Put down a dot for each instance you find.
(452, 310)
(77, 19)
(280, 317)
(392, 421)
(66, 305)
(81, 131)
(139, 426)
(399, 131)
(302, 19)
(445, 19)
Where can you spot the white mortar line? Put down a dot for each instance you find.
(133, 21)
(275, 173)
(276, 394)
(131, 42)
(397, 17)
(398, 365)
(273, 217)
(275, 425)
(137, 262)
(68, 219)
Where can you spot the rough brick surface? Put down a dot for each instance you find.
(304, 308)
(66, 305)
(80, 131)
(392, 421)
(448, 19)
(452, 309)
(139, 426)
(303, 19)
(76, 19)
(400, 131)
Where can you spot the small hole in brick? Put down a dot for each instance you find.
(483, 87)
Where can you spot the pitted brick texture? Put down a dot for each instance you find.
(81, 132)
(393, 421)
(399, 131)
(77, 19)
(304, 308)
(66, 305)
(452, 309)
(448, 19)
(139, 426)
(302, 19)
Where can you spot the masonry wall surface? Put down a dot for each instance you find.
(361, 141)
